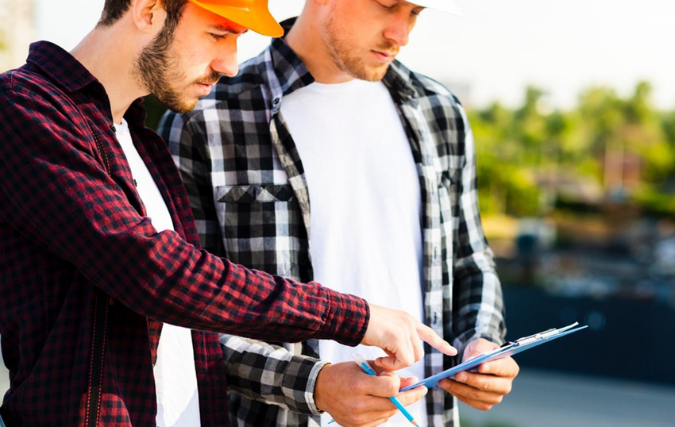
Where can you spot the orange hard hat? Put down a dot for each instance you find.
(252, 14)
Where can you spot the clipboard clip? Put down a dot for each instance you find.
(539, 336)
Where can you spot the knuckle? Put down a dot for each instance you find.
(356, 386)
(473, 395)
(359, 419)
(354, 408)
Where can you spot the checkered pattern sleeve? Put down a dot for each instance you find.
(478, 308)
(56, 193)
(271, 374)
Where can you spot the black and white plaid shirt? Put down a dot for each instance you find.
(250, 200)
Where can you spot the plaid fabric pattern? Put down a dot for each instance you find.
(250, 199)
(67, 226)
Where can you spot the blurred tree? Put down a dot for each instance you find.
(527, 154)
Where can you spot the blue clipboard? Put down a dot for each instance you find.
(506, 350)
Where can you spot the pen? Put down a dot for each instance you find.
(363, 364)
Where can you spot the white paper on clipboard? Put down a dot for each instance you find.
(507, 350)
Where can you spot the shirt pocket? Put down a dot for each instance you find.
(261, 226)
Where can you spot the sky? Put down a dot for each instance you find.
(497, 48)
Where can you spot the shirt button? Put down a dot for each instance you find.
(276, 101)
(113, 128)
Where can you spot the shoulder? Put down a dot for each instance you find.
(25, 82)
(442, 110)
(231, 91)
(32, 99)
(245, 91)
(426, 87)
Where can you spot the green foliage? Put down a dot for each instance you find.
(528, 155)
(155, 110)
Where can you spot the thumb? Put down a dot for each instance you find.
(389, 363)
(405, 382)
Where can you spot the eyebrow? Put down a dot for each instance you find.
(225, 29)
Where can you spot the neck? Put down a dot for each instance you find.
(110, 55)
(307, 42)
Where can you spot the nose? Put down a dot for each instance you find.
(225, 61)
(399, 29)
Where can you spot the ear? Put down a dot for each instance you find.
(148, 15)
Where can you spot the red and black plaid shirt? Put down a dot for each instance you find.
(67, 227)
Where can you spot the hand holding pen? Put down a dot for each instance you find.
(362, 400)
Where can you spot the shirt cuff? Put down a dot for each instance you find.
(346, 319)
(311, 387)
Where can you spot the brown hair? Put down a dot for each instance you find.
(114, 9)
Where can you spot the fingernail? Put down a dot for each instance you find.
(461, 377)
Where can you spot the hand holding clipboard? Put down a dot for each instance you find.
(507, 350)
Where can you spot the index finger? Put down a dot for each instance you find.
(411, 396)
(430, 336)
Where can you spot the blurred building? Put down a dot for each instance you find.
(17, 30)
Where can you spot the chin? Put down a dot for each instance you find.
(183, 107)
(374, 74)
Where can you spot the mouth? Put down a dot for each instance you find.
(204, 88)
(384, 56)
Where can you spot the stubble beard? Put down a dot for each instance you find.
(344, 58)
(156, 68)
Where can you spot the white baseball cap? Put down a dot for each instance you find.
(449, 6)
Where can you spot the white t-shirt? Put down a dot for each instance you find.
(175, 374)
(366, 205)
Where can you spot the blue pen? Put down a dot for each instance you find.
(363, 364)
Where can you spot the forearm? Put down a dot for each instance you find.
(273, 375)
(478, 310)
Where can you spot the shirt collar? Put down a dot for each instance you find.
(292, 74)
(69, 74)
(60, 66)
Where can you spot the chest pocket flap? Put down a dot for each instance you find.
(256, 193)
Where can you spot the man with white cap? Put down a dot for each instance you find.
(109, 309)
(327, 159)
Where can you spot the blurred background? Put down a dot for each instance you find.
(573, 109)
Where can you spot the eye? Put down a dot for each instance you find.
(218, 36)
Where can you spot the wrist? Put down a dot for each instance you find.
(320, 387)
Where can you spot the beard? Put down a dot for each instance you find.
(345, 53)
(158, 70)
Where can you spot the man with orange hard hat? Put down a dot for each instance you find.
(109, 309)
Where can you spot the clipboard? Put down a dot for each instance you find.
(506, 350)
